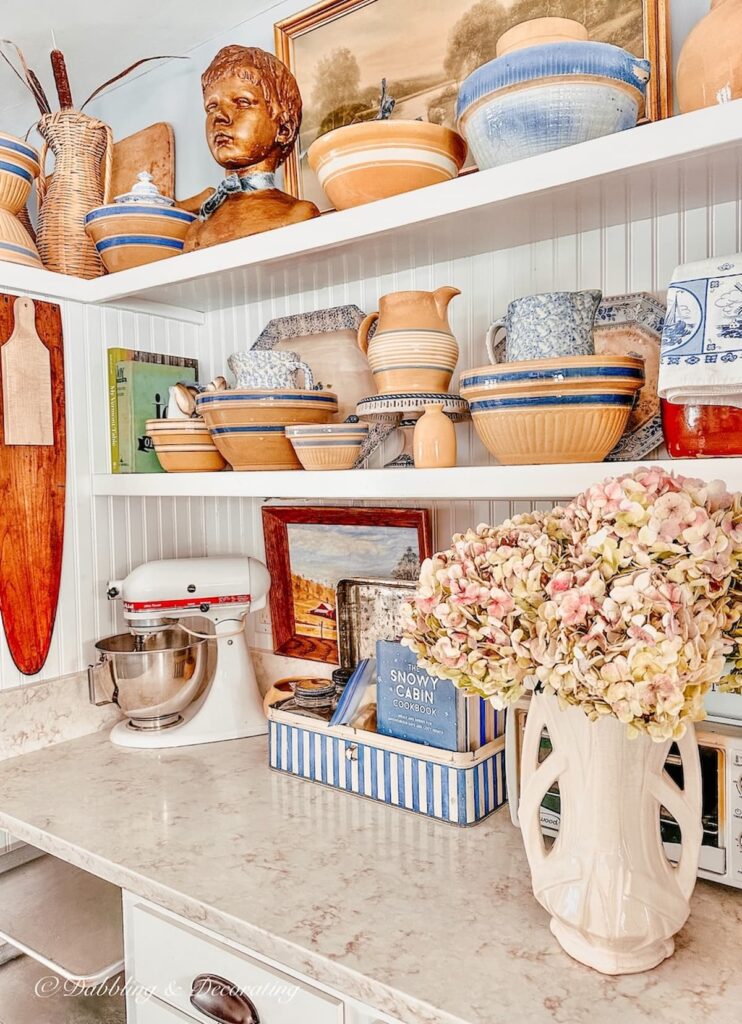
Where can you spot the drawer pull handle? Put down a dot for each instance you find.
(222, 1001)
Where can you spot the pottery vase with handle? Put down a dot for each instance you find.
(83, 152)
(615, 899)
(710, 63)
(413, 349)
(546, 326)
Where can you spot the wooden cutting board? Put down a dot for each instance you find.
(32, 492)
(151, 149)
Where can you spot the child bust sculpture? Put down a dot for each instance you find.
(253, 113)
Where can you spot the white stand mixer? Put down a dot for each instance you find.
(222, 590)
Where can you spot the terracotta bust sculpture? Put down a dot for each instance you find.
(253, 113)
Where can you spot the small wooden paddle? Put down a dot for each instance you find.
(27, 381)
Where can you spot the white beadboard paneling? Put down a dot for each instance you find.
(630, 240)
(105, 537)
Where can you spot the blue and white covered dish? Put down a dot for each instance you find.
(544, 97)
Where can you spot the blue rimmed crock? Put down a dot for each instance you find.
(548, 96)
(140, 227)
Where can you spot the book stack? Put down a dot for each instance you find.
(138, 390)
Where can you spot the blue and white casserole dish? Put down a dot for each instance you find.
(545, 97)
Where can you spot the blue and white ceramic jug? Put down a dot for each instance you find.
(545, 326)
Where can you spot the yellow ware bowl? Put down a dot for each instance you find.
(372, 160)
(334, 446)
(173, 431)
(133, 234)
(256, 446)
(545, 429)
(552, 376)
(19, 165)
(244, 407)
(189, 458)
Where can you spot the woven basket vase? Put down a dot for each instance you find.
(83, 151)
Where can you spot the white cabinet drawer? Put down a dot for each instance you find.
(152, 1011)
(166, 957)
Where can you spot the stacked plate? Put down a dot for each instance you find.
(329, 445)
(553, 410)
(248, 425)
(184, 446)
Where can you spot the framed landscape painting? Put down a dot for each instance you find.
(339, 50)
(309, 548)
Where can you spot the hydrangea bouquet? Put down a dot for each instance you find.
(624, 603)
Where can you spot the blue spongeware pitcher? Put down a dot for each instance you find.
(546, 326)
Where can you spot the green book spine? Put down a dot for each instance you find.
(115, 356)
(142, 394)
(120, 355)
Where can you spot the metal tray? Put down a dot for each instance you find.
(369, 610)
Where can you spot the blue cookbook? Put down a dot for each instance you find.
(412, 705)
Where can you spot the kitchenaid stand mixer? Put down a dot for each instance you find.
(158, 673)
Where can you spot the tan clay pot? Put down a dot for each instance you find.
(434, 441)
(413, 349)
(189, 458)
(376, 159)
(710, 63)
(262, 446)
(538, 31)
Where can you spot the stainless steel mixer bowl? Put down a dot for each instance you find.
(153, 678)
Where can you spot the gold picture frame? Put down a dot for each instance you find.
(297, 46)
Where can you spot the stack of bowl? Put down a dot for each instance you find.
(542, 411)
(248, 425)
(328, 445)
(184, 446)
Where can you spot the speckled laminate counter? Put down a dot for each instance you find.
(429, 923)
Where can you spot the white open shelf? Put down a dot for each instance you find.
(462, 482)
(644, 169)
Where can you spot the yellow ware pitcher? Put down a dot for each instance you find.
(413, 349)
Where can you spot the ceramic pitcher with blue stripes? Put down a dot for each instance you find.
(413, 349)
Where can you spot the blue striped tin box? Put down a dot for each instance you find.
(459, 788)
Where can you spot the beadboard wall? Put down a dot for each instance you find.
(105, 537)
(101, 540)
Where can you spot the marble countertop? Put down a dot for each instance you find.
(429, 923)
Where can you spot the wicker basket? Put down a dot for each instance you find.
(81, 146)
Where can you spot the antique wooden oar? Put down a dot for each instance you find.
(32, 475)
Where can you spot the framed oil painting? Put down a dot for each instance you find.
(309, 548)
(339, 50)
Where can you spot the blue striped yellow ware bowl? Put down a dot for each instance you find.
(542, 376)
(19, 165)
(261, 446)
(241, 407)
(557, 418)
(132, 234)
(328, 446)
(544, 97)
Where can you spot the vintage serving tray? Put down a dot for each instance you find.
(368, 610)
(631, 325)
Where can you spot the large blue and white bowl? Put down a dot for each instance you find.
(549, 96)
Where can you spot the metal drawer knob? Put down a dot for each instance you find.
(222, 1001)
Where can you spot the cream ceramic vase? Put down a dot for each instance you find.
(413, 349)
(615, 900)
(434, 440)
(710, 63)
